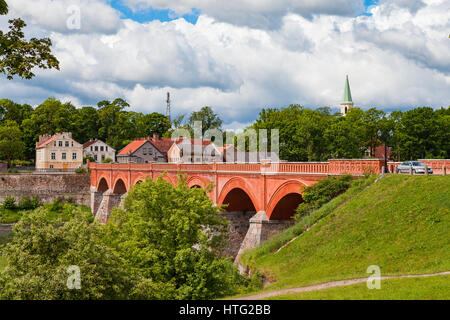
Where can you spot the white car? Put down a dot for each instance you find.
(416, 166)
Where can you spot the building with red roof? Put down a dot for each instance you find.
(58, 152)
(145, 150)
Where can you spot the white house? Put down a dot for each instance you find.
(98, 150)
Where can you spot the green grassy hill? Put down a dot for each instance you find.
(400, 223)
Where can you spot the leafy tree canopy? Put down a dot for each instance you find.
(19, 56)
(172, 238)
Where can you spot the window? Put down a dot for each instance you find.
(72, 143)
(67, 144)
(74, 156)
(95, 157)
(59, 143)
(91, 148)
(51, 166)
(63, 156)
(103, 157)
(106, 148)
(101, 148)
(54, 143)
(96, 148)
(53, 156)
(144, 151)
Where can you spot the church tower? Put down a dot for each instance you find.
(347, 102)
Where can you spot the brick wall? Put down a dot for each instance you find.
(48, 187)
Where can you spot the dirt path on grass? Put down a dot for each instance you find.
(332, 284)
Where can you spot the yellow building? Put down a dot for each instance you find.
(59, 152)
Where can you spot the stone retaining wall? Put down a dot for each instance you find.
(47, 186)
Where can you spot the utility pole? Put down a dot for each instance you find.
(168, 106)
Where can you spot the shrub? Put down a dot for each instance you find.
(21, 163)
(91, 159)
(27, 203)
(180, 258)
(43, 248)
(9, 203)
(13, 171)
(320, 193)
(108, 160)
(80, 170)
(56, 206)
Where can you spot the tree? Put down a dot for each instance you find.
(18, 56)
(43, 249)
(53, 116)
(171, 237)
(10, 110)
(208, 118)
(149, 124)
(371, 123)
(343, 136)
(309, 134)
(11, 143)
(114, 123)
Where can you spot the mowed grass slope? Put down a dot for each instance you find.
(400, 223)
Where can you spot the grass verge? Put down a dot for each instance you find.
(429, 288)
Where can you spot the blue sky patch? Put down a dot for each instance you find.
(369, 4)
(151, 14)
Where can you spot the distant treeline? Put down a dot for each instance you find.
(319, 135)
(305, 134)
(108, 121)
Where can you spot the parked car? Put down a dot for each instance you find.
(416, 166)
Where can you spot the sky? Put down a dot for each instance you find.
(238, 56)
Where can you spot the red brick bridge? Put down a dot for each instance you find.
(261, 197)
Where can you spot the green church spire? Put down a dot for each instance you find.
(347, 98)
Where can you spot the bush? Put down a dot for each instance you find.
(21, 163)
(320, 193)
(9, 203)
(91, 159)
(43, 248)
(13, 171)
(27, 203)
(56, 206)
(80, 170)
(108, 160)
(180, 258)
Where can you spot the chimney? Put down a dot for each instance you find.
(43, 138)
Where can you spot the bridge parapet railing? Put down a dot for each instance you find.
(164, 166)
(196, 167)
(303, 167)
(240, 167)
(355, 166)
(437, 165)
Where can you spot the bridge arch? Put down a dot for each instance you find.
(237, 194)
(119, 187)
(102, 185)
(139, 179)
(196, 181)
(285, 200)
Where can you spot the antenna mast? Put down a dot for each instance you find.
(168, 106)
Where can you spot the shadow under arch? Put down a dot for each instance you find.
(119, 187)
(286, 199)
(102, 185)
